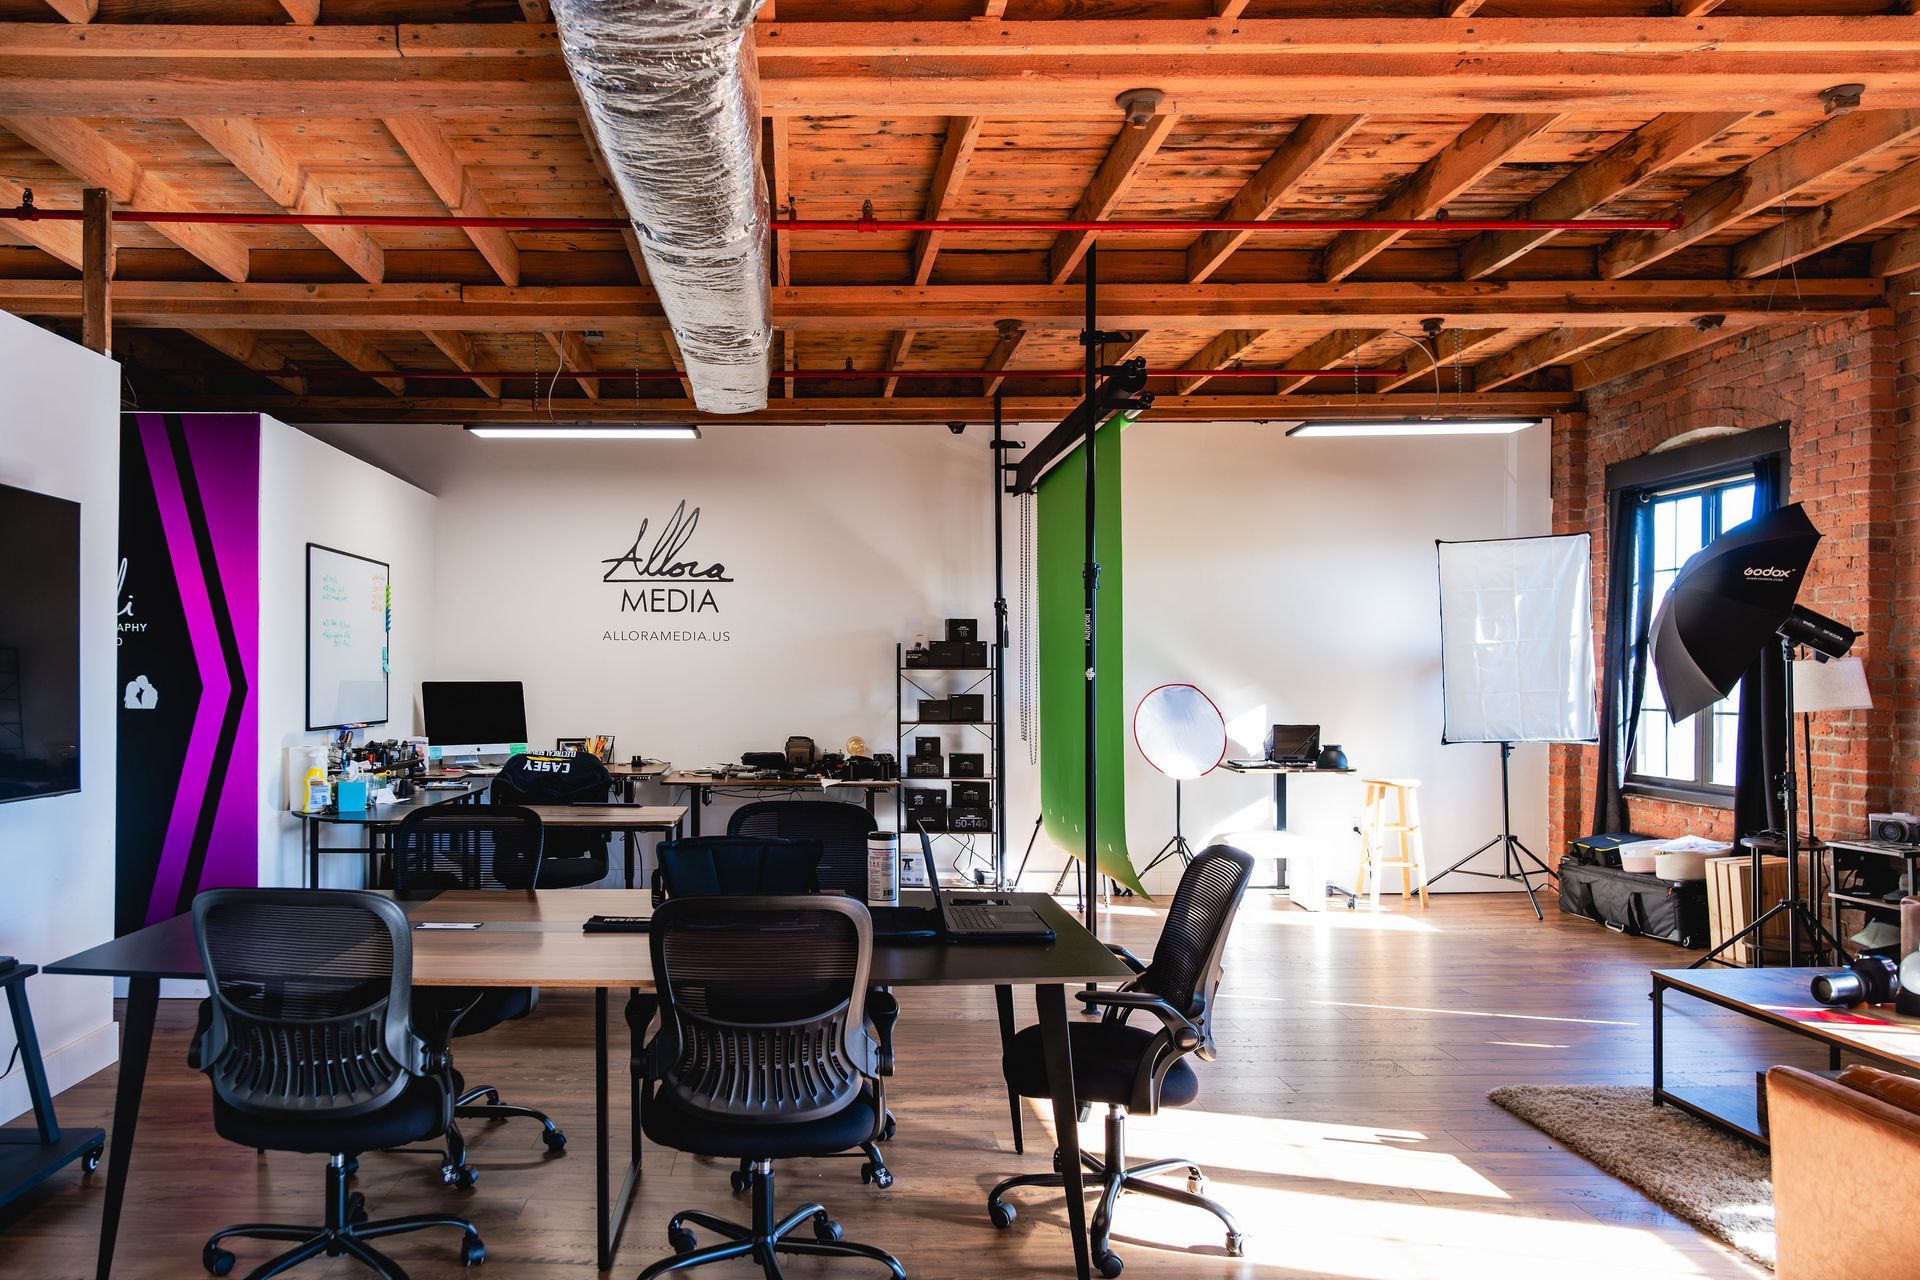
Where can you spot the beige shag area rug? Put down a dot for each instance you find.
(1717, 1182)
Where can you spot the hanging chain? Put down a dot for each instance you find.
(1026, 629)
(1459, 368)
(636, 376)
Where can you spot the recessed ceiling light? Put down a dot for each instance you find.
(1415, 427)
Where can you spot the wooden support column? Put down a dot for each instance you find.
(96, 267)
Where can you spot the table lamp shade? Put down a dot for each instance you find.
(1837, 685)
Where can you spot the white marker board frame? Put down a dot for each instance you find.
(328, 718)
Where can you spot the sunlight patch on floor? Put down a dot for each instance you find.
(1469, 1013)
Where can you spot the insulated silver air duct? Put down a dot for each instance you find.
(672, 93)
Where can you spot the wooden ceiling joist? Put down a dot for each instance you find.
(1663, 141)
(288, 184)
(460, 351)
(1132, 150)
(81, 150)
(1312, 141)
(302, 12)
(1455, 348)
(426, 144)
(1537, 353)
(76, 10)
(60, 240)
(1011, 335)
(246, 347)
(1472, 156)
(359, 353)
(1833, 145)
(574, 354)
(956, 154)
(1897, 254)
(1859, 212)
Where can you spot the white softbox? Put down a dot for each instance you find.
(1516, 640)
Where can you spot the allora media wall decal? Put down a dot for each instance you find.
(188, 627)
(657, 575)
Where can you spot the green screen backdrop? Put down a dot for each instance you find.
(1059, 558)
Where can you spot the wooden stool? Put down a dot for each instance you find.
(1403, 824)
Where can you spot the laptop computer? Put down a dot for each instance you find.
(1293, 744)
(958, 919)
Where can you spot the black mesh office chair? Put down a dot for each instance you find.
(570, 858)
(762, 1054)
(472, 846)
(842, 831)
(311, 1047)
(1142, 1069)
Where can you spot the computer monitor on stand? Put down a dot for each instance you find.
(468, 720)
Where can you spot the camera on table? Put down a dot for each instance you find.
(1870, 979)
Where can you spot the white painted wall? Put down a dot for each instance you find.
(1294, 580)
(312, 492)
(60, 434)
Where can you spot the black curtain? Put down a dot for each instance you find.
(1760, 750)
(1624, 656)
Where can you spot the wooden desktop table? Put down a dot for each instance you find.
(628, 776)
(535, 939)
(376, 823)
(664, 819)
(701, 786)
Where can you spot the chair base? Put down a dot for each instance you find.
(765, 1239)
(346, 1233)
(456, 1172)
(1112, 1178)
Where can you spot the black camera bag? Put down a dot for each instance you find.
(1637, 904)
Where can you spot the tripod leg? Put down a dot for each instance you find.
(1029, 854)
(1526, 881)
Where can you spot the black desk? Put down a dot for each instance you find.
(1280, 773)
(542, 945)
(377, 822)
(29, 1157)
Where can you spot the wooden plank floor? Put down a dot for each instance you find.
(1345, 1121)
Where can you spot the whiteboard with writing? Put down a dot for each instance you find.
(349, 615)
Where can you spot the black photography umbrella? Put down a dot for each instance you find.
(1729, 601)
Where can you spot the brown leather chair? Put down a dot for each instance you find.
(1846, 1157)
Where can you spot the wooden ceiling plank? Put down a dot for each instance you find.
(1537, 353)
(303, 13)
(60, 239)
(1694, 8)
(1221, 350)
(286, 182)
(574, 353)
(459, 350)
(789, 360)
(1125, 160)
(1326, 353)
(427, 145)
(1455, 347)
(1478, 151)
(1859, 212)
(1834, 144)
(1461, 8)
(956, 153)
(89, 156)
(1312, 141)
(1012, 334)
(357, 350)
(1662, 142)
(990, 9)
(628, 236)
(781, 176)
(540, 11)
(245, 346)
(1229, 9)
(76, 10)
(1897, 254)
(899, 343)
(676, 357)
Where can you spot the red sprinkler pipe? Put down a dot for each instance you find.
(794, 375)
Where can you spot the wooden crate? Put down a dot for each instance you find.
(1730, 905)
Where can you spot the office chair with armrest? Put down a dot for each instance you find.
(1136, 1068)
(311, 1047)
(763, 1054)
(842, 831)
(570, 858)
(472, 846)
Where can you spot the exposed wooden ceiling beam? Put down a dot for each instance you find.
(249, 348)
(358, 351)
(1897, 254)
(865, 308)
(1694, 8)
(1004, 349)
(789, 360)
(1658, 348)
(956, 153)
(993, 9)
(1126, 159)
(628, 236)
(1326, 353)
(1656, 145)
(1477, 152)
(574, 353)
(427, 145)
(1229, 9)
(1312, 141)
(459, 350)
(539, 11)
(780, 177)
(302, 12)
(76, 10)
(1049, 69)
(1220, 351)
(1461, 8)
(1857, 213)
(60, 239)
(84, 152)
(286, 182)
(676, 357)
(1456, 347)
(1537, 353)
(1833, 144)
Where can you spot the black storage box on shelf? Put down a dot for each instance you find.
(963, 629)
(1602, 849)
(972, 792)
(927, 767)
(935, 710)
(1632, 903)
(967, 764)
(973, 653)
(968, 706)
(970, 817)
(922, 798)
(943, 653)
(917, 657)
(928, 746)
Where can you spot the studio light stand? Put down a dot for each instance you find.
(1176, 847)
(1514, 854)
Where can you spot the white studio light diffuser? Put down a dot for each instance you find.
(1180, 731)
(1516, 640)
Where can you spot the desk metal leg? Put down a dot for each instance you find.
(313, 854)
(696, 797)
(143, 999)
(1659, 1042)
(1051, 1000)
(1003, 998)
(610, 1215)
(1279, 802)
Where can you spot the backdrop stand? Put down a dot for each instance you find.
(1514, 854)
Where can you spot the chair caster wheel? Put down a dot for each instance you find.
(556, 1140)
(492, 1097)
(351, 1167)
(1057, 1165)
(681, 1240)
(1001, 1214)
(91, 1160)
(472, 1252)
(1109, 1265)
(1236, 1244)
(216, 1260)
(462, 1176)
(879, 1175)
(356, 1208)
(825, 1229)
(739, 1182)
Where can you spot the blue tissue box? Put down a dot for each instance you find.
(350, 797)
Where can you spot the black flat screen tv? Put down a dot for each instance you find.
(39, 645)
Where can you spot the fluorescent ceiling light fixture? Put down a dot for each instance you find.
(586, 431)
(1414, 427)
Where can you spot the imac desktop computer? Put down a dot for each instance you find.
(468, 720)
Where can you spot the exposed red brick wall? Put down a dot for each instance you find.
(1850, 391)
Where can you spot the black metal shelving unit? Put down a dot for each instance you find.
(977, 856)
